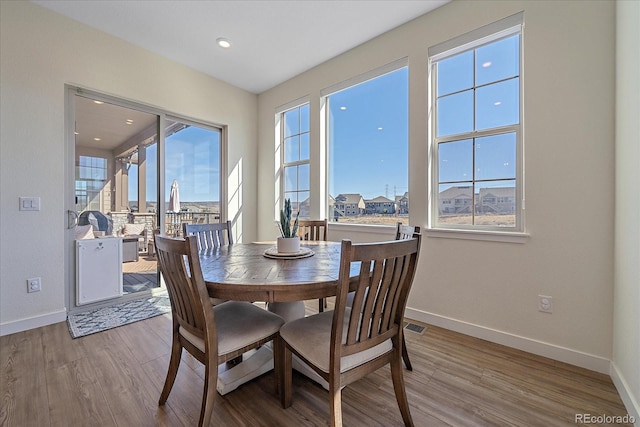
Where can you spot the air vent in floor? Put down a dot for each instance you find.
(414, 328)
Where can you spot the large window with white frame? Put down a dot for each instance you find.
(367, 146)
(294, 140)
(476, 130)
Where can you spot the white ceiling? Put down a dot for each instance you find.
(272, 40)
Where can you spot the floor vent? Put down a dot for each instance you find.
(414, 328)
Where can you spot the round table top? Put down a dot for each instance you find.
(241, 272)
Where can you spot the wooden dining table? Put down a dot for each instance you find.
(242, 272)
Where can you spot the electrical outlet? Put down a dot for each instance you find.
(34, 285)
(545, 304)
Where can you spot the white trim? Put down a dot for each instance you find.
(630, 401)
(490, 236)
(378, 229)
(292, 104)
(369, 75)
(540, 348)
(483, 35)
(33, 322)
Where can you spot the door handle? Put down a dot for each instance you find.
(72, 219)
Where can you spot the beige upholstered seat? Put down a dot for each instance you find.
(346, 344)
(314, 230)
(213, 335)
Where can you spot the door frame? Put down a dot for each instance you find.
(71, 91)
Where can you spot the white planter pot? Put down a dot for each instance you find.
(288, 245)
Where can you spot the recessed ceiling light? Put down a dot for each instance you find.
(223, 43)
(343, 108)
(97, 139)
(497, 103)
(486, 64)
(129, 122)
(98, 102)
(380, 128)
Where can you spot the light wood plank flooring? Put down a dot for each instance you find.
(114, 378)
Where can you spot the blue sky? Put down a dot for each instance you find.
(368, 151)
(193, 160)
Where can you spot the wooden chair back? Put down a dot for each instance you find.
(385, 277)
(404, 231)
(209, 236)
(182, 273)
(312, 229)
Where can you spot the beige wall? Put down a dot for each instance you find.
(490, 289)
(41, 52)
(626, 336)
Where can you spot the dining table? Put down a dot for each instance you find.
(255, 272)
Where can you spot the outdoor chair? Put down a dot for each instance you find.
(213, 335)
(314, 230)
(348, 343)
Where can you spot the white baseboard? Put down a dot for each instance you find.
(629, 400)
(562, 354)
(33, 322)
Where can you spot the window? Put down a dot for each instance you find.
(477, 129)
(91, 178)
(294, 141)
(367, 140)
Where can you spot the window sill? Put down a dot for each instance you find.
(362, 228)
(490, 236)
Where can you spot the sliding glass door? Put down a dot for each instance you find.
(192, 178)
(132, 170)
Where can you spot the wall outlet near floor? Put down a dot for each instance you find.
(545, 304)
(34, 285)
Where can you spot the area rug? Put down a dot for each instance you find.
(90, 322)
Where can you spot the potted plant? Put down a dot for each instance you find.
(289, 241)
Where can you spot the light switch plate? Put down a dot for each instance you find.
(29, 203)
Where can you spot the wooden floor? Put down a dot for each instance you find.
(114, 378)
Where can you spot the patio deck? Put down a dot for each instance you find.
(140, 275)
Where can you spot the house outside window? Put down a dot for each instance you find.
(366, 122)
(476, 130)
(294, 140)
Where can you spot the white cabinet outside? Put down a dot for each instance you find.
(98, 269)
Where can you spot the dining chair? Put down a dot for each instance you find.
(404, 231)
(210, 236)
(346, 344)
(212, 334)
(314, 230)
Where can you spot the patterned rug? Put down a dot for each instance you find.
(90, 322)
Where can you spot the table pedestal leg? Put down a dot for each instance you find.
(258, 362)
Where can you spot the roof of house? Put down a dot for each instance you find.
(349, 198)
(455, 192)
(498, 191)
(379, 199)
